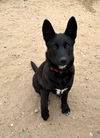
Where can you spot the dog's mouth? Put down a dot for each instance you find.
(62, 66)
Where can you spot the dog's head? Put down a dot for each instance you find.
(60, 46)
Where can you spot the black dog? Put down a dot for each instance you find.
(56, 73)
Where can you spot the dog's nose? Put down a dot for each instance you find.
(63, 60)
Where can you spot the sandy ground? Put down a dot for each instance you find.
(21, 41)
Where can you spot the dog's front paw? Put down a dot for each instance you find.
(65, 109)
(45, 114)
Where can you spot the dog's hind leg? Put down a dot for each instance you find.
(44, 98)
(36, 84)
(44, 104)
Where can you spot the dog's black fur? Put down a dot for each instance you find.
(59, 54)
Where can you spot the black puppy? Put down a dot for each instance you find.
(56, 73)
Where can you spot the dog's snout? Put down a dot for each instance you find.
(63, 60)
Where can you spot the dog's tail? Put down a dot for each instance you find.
(34, 67)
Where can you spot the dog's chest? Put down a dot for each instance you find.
(61, 86)
(61, 83)
(60, 91)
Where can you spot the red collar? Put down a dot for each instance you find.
(56, 70)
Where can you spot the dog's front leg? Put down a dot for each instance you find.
(44, 104)
(64, 105)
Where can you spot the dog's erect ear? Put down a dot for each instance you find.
(71, 29)
(48, 31)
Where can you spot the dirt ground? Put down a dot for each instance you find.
(20, 42)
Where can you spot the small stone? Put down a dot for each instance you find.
(11, 125)
(19, 63)
(91, 134)
(36, 110)
(82, 54)
(83, 115)
(87, 78)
